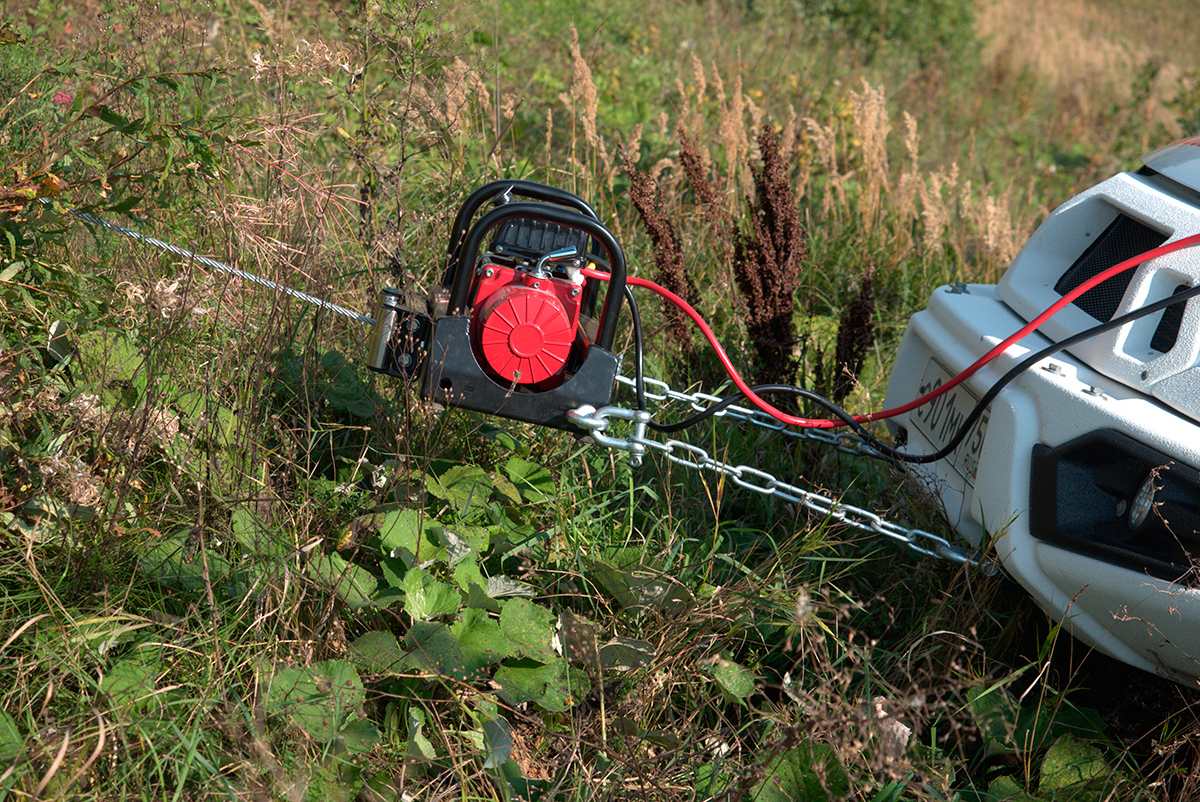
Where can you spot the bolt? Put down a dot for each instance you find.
(1145, 375)
(412, 324)
(1121, 505)
(405, 360)
(489, 273)
(574, 292)
(1054, 368)
(1095, 391)
(536, 284)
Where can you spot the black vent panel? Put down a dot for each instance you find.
(1124, 239)
(1168, 328)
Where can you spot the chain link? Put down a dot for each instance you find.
(637, 444)
(845, 442)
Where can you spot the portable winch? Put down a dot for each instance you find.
(1054, 416)
(515, 328)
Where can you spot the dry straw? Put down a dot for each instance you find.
(583, 91)
(869, 111)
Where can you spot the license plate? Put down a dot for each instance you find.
(941, 419)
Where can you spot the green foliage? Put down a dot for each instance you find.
(237, 565)
(938, 33)
(808, 771)
(1067, 744)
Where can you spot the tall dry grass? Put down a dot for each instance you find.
(1085, 52)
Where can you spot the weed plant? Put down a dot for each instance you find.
(236, 565)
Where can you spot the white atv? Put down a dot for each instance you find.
(1082, 470)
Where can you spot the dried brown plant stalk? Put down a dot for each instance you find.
(855, 338)
(708, 196)
(668, 254)
(767, 263)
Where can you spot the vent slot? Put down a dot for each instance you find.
(1124, 239)
(1168, 328)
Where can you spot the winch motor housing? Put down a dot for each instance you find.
(514, 328)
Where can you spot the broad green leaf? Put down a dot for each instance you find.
(59, 345)
(377, 651)
(553, 687)
(1070, 764)
(174, 561)
(809, 772)
(346, 392)
(359, 737)
(533, 482)
(418, 745)
(10, 272)
(497, 737)
(500, 586)
(214, 422)
(626, 654)
(426, 597)
(995, 715)
(130, 685)
(354, 584)
(504, 438)
(505, 488)
(1038, 725)
(478, 599)
(467, 574)
(1010, 729)
(639, 592)
(577, 636)
(432, 647)
(11, 740)
(1006, 789)
(736, 681)
(318, 699)
(108, 357)
(191, 406)
(530, 628)
(252, 532)
(404, 534)
(483, 644)
(461, 487)
(457, 547)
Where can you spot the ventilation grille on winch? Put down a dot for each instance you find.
(1123, 239)
(531, 238)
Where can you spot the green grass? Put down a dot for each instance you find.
(233, 564)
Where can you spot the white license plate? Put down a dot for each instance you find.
(940, 420)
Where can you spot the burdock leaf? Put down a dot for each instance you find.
(530, 628)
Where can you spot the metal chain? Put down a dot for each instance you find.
(637, 445)
(845, 442)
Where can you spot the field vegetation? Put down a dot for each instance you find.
(234, 564)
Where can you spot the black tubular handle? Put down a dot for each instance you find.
(525, 189)
(549, 213)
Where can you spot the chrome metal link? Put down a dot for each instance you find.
(637, 445)
(845, 442)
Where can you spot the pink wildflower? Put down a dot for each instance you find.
(62, 98)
